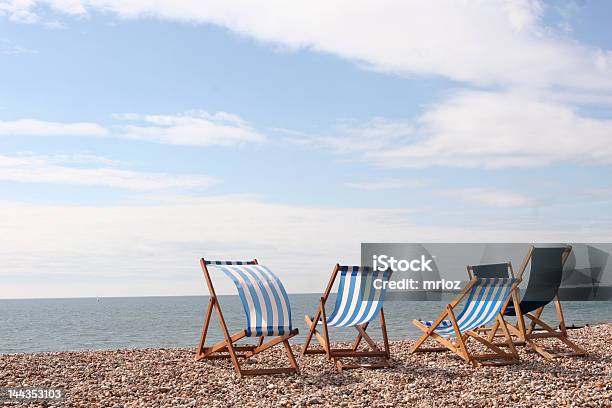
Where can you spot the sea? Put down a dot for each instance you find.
(48, 325)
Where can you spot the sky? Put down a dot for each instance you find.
(137, 137)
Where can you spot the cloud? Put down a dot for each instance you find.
(19, 11)
(154, 249)
(477, 129)
(45, 169)
(76, 158)
(7, 47)
(191, 128)
(160, 245)
(194, 128)
(390, 184)
(34, 127)
(479, 42)
(491, 197)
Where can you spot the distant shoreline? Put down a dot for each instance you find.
(604, 295)
(136, 296)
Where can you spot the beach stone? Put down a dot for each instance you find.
(171, 378)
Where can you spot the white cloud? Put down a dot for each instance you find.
(478, 129)
(191, 128)
(351, 137)
(503, 130)
(75, 158)
(7, 47)
(19, 11)
(389, 184)
(194, 128)
(154, 249)
(34, 127)
(491, 197)
(44, 169)
(481, 42)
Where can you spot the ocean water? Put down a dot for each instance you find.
(32, 325)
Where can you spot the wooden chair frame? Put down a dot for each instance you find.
(497, 356)
(335, 354)
(538, 329)
(492, 331)
(227, 347)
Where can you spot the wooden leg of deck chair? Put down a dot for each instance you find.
(312, 324)
(383, 328)
(535, 320)
(324, 323)
(423, 337)
(509, 342)
(359, 337)
(428, 332)
(271, 343)
(532, 325)
(512, 330)
(515, 331)
(228, 339)
(210, 352)
(520, 325)
(317, 336)
(222, 345)
(463, 351)
(497, 353)
(207, 317)
(560, 316)
(578, 351)
(376, 352)
(367, 338)
(493, 330)
(284, 339)
(448, 345)
(550, 332)
(290, 356)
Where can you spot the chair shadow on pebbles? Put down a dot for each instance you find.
(560, 367)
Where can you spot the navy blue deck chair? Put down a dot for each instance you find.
(542, 289)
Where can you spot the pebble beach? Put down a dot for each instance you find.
(171, 378)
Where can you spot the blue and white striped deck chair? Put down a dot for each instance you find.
(267, 309)
(361, 293)
(487, 299)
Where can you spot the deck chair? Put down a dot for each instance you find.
(498, 270)
(487, 298)
(359, 301)
(268, 314)
(542, 289)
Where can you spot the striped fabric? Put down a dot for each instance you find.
(230, 262)
(484, 302)
(263, 297)
(358, 301)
